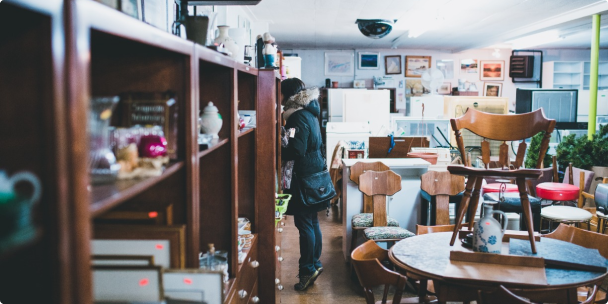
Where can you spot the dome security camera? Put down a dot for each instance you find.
(375, 28)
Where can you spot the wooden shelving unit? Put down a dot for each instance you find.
(71, 50)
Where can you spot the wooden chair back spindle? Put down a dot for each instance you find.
(361, 167)
(521, 153)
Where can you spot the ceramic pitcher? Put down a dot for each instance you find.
(488, 233)
(7, 185)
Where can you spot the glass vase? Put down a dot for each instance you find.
(103, 167)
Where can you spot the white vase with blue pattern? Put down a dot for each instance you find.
(488, 233)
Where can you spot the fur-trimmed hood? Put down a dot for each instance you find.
(302, 99)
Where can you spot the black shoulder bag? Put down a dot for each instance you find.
(317, 188)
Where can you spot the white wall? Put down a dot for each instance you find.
(313, 69)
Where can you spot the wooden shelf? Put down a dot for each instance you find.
(220, 143)
(246, 69)
(243, 133)
(213, 57)
(104, 197)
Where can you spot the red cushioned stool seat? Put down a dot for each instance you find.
(495, 187)
(557, 191)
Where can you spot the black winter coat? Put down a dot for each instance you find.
(305, 147)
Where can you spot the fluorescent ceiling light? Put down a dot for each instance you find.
(536, 39)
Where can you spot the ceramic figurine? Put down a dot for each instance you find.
(228, 42)
(270, 51)
(488, 233)
(211, 120)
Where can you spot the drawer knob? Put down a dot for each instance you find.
(277, 281)
(255, 264)
(280, 287)
(282, 223)
(277, 248)
(255, 300)
(280, 259)
(242, 294)
(280, 230)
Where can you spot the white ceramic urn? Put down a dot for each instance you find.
(488, 233)
(228, 42)
(211, 120)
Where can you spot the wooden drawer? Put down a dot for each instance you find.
(248, 275)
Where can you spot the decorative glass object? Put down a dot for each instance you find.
(103, 166)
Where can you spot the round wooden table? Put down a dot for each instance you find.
(428, 256)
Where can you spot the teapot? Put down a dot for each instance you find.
(488, 233)
(7, 186)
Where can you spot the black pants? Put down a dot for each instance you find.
(310, 242)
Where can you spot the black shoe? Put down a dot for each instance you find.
(319, 272)
(305, 281)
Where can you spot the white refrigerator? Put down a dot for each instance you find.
(369, 106)
(335, 104)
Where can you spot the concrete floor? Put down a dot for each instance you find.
(335, 285)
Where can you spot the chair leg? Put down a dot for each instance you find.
(474, 202)
(369, 295)
(464, 203)
(525, 206)
(385, 295)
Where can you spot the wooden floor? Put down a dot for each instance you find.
(335, 285)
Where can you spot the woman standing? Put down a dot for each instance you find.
(301, 109)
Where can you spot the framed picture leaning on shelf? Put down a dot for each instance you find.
(492, 70)
(445, 88)
(492, 89)
(132, 8)
(368, 61)
(416, 65)
(339, 64)
(392, 64)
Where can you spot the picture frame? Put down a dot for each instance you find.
(446, 66)
(128, 283)
(492, 70)
(369, 61)
(339, 64)
(445, 88)
(195, 285)
(392, 65)
(492, 89)
(416, 65)
(468, 66)
(132, 8)
(359, 84)
(175, 234)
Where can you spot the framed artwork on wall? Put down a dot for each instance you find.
(445, 88)
(368, 61)
(416, 65)
(392, 64)
(492, 89)
(492, 70)
(339, 64)
(468, 66)
(446, 66)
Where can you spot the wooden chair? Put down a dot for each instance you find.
(503, 128)
(365, 220)
(567, 214)
(585, 239)
(367, 261)
(378, 185)
(500, 296)
(602, 219)
(441, 185)
(335, 170)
